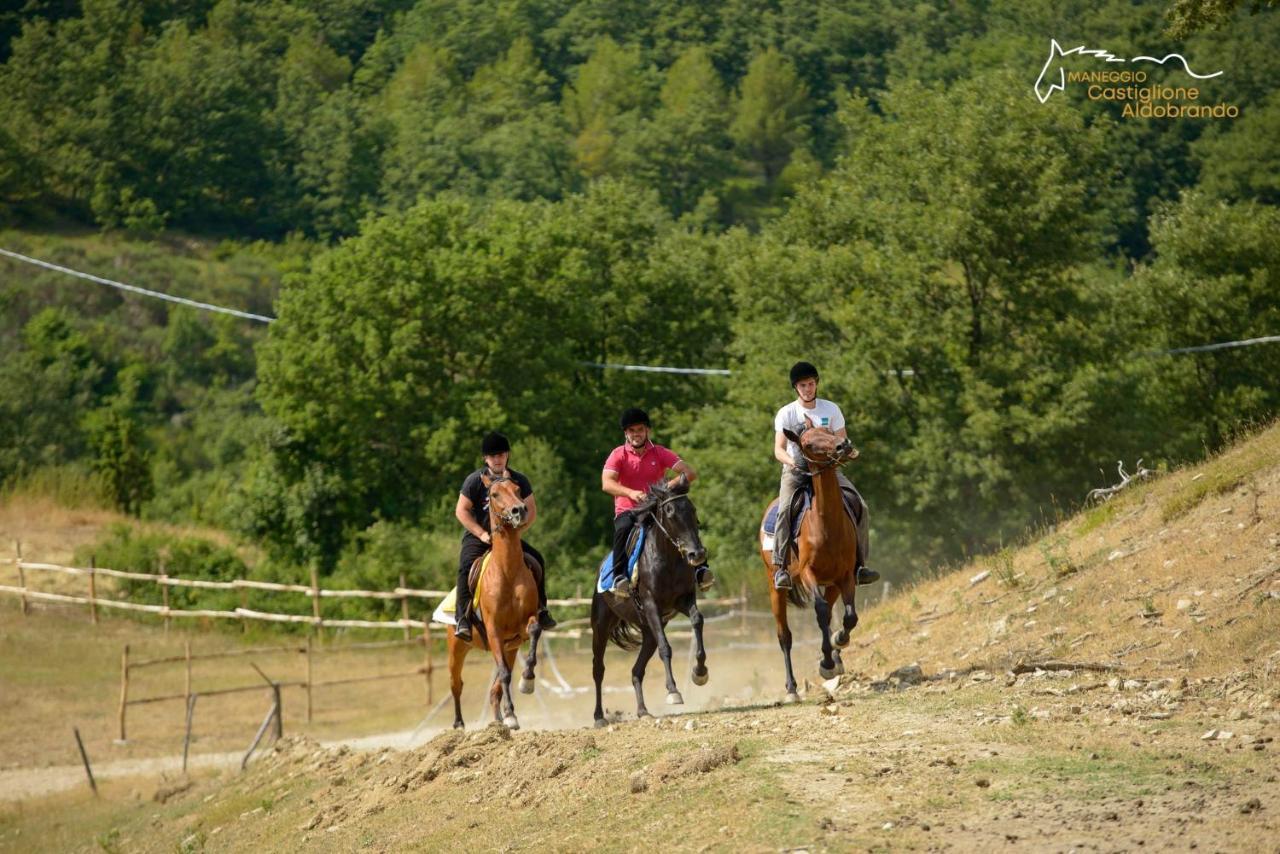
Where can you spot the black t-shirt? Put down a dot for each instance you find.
(473, 487)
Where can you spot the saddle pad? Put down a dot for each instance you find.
(770, 525)
(606, 576)
(448, 607)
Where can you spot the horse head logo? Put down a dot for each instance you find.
(1053, 77)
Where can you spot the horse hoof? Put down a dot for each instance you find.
(839, 667)
(643, 713)
(841, 639)
(526, 686)
(459, 725)
(700, 678)
(826, 672)
(674, 699)
(510, 722)
(601, 723)
(792, 697)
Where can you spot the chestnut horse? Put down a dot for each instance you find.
(664, 586)
(828, 561)
(508, 597)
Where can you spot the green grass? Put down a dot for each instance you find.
(1113, 774)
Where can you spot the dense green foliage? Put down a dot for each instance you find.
(467, 208)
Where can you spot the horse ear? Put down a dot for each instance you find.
(681, 486)
(791, 434)
(486, 480)
(808, 422)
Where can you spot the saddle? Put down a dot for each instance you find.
(800, 504)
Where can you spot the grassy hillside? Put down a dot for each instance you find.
(1156, 618)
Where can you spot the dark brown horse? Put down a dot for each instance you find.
(826, 568)
(508, 605)
(664, 586)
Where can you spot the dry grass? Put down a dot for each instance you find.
(970, 759)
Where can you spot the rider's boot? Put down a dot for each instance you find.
(867, 575)
(545, 620)
(462, 612)
(781, 578)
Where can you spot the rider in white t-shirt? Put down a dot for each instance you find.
(821, 413)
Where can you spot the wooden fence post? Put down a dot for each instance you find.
(742, 619)
(404, 606)
(315, 595)
(308, 678)
(124, 689)
(244, 603)
(426, 646)
(186, 647)
(164, 598)
(93, 589)
(22, 576)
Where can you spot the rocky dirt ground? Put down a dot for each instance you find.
(1111, 686)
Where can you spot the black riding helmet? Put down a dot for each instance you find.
(495, 443)
(802, 371)
(633, 416)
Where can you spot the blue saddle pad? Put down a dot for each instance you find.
(606, 579)
(771, 518)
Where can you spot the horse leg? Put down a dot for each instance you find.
(848, 585)
(526, 678)
(699, 673)
(826, 665)
(600, 625)
(832, 594)
(499, 692)
(457, 653)
(647, 647)
(654, 621)
(508, 704)
(778, 604)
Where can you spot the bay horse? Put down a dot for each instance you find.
(827, 565)
(508, 596)
(664, 585)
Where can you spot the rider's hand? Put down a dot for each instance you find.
(637, 495)
(486, 538)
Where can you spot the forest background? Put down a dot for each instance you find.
(459, 210)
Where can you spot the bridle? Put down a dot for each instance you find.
(503, 516)
(651, 512)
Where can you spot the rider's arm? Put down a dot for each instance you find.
(463, 514)
(780, 449)
(682, 468)
(842, 434)
(609, 483)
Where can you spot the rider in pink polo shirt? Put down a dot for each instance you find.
(630, 470)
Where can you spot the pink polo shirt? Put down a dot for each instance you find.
(638, 471)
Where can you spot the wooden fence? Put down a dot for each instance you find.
(567, 629)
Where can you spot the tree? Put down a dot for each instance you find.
(122, 461)
(770, 114)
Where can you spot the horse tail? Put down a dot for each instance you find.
(625, 635)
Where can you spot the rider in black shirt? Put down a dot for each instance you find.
(472, 512)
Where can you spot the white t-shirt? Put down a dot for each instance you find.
(824, 414)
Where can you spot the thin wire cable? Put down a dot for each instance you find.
(203, 306)
(657, 369)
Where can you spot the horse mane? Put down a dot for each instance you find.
(658, 493)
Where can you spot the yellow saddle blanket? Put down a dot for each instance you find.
(450, 603)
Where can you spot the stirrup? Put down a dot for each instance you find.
(867, 575)
(462, 631)
(782, 579)
(622, 588)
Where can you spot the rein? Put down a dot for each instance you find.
(663, 502)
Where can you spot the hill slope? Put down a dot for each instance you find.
(1156, 618)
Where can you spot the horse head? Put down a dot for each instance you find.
(673, 512)
(821, 446)
(505, 504)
